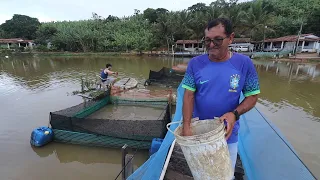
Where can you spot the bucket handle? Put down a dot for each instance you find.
(172, 131)
(181, 122)
(177, 123)
(192, 120)
(169, 124)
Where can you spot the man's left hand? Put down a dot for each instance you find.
(231, 119)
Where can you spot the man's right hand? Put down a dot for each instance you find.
(186, 131)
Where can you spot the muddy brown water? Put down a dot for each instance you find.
(32, 86)
(128, 112)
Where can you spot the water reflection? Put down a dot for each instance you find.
(33, 72)
(293, 71)
(290, 84)
(85, 154)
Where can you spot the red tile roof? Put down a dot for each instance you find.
(291, 38)
(15, 40)
(313, 39)
(235, 40)
(241, 40)
(188, 41)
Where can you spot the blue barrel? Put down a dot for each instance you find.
(155, 145)
(41, 136)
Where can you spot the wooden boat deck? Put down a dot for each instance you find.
(178, 168)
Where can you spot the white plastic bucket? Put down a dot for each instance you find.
(206, 151)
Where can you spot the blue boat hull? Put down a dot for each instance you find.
(264, 152)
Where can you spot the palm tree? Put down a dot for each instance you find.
(197, 25)
(166, 28)
(256, 19)
(183, 20)
(237, 17)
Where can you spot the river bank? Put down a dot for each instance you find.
(301, 58)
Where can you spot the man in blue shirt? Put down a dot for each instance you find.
(106, 80)
(214, 83)
(105, 72)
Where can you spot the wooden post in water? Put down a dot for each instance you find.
(127, 162)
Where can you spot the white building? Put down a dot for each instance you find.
(307, 43)
(189, 45)
(241, 45)
(9, 43)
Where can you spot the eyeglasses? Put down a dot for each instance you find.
(216, 41)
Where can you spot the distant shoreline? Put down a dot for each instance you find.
(66, 53)
(148, 53)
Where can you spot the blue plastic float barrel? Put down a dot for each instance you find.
(41, 136)
(155, 145)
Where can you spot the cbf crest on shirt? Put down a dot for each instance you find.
(234, 82)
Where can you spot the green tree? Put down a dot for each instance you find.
(313, 24)
(45, 34)
(199, 7)
(232, 11)
(2, 34)
(291, 13)
(21, 26)
(257, 19)
(167, 28)
(150, 14)
(111, 18)
(153, 14)
(160, 28)
(197, 24)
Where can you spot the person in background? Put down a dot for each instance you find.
(104, 75)
(214, 82)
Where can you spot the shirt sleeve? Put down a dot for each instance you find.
(188, 81)
(251, 84)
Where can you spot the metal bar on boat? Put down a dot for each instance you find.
(164, 169)
(124, 151)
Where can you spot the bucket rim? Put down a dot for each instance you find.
(219, 129)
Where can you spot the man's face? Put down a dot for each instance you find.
(217, 42)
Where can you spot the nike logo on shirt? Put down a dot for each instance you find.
(202, 82)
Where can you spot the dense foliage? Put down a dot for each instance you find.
(20, 26)
(154, 28)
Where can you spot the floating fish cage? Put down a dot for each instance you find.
(112, 122)
(165, 76)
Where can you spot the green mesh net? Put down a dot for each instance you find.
(113, 121)
(165, 77)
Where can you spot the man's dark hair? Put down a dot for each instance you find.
(108, 65)
(223, 21)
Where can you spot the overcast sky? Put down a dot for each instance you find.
(58, 10)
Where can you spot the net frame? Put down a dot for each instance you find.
(75, 119)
